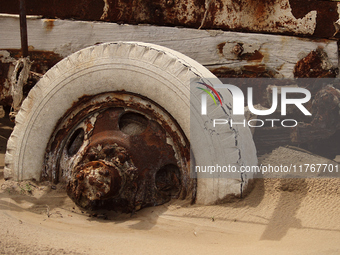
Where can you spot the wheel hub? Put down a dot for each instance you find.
(119, 151)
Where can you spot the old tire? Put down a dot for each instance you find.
(158, 73)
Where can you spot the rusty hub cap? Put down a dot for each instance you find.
(118, 150)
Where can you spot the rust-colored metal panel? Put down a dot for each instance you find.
(65, 9)
(294, 17)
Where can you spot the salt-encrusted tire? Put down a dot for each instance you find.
(157, 73)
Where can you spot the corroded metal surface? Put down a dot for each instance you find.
(41, 62)
(315, 65)
(326, 14)
(298, 17)
(119, 151)
(7, 65)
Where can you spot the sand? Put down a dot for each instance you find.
(279, 216)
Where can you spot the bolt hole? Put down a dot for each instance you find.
(168, 180)
(132, 123)
(75, 142)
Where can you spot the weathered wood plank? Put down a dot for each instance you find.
(211, 48)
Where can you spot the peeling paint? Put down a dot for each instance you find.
(293, 17)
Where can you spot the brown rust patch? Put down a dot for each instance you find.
(42, 61)
(49, 24)
(220, 48)
(188, 13)
(148, 150)
(161, 12)
(259, 10)
(65, 9)
(94, 181)
(262, 8)
(255, 68)
(314, 65)
(256, 56)
(327, 14)
(89, 127)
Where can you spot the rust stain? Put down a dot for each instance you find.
(42, 62)
(255, 68)
(253, 57)
(189, 13)
(313, 66)
(220, 48)
(94, 181)
(262, 8)
(327, 14)
(89, 127)
(49, 24)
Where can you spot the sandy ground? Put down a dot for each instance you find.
(280, 216)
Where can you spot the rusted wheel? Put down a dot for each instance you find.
(119, 149)
(112, 121)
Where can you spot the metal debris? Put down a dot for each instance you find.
(18, 81)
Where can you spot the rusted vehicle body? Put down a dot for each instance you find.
(312, 18)
(248, 39)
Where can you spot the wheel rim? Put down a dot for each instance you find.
(119, 150)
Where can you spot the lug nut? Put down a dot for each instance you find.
(92, 156)
(99, 184)
(109, 150)
(104, 173)
(91, 181)
(99, 194)
(122, 157)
